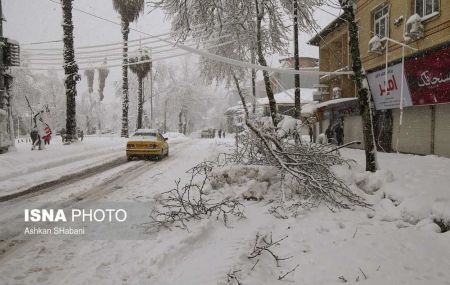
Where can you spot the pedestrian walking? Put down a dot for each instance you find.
(220, 133)
(329, 134)
(340, 134)
(310, 134)
(48, 135)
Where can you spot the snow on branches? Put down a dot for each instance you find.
(307, 169)
(191, 201)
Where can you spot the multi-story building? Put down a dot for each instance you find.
(405, 50)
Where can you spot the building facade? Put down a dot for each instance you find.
(405, 51)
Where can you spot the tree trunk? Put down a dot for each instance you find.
(140, 103)
(262, 61)
(125, 32)
(297, 106)
(363, 92)
(70, 70)
(253, 82)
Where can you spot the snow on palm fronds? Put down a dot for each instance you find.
(103, 73)
(89, 73)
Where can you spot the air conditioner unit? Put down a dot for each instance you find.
(337, 92)
(375, 45)
(414, 28)
(317, 95)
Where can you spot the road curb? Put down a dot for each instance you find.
(66, 178)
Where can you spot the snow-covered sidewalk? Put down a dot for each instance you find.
(22, 169)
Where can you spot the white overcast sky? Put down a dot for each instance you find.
(30, 21)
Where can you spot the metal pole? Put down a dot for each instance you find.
(151, 94)
(386, 69)
(3, 102)
(401, 99)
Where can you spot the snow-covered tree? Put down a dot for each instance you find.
(256, 26)
(302, 13)
(349, 7)
(89, 74)
(70, 70)
(141, 70)
(129, 11)
(103, 73)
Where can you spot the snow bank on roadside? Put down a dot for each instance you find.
(417, 195)
(175, 137)
(24, 161)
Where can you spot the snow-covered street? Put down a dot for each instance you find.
(398, 243)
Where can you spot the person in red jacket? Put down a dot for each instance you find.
(48, 135)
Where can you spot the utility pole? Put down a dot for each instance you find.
(165, 116)
(151, 94)
(296, 64)
(3, 99)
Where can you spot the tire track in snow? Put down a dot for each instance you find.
(210, 253)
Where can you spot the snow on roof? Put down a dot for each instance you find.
(236, 109)
(334, 101)
(287, 97)
(146, 131)
(309, 109)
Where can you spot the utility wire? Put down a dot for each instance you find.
(216, 57)
(59, 56)
(156, 38)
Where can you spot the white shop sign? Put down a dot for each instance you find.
(388, 95)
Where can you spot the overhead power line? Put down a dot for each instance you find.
(156, 38)
(59, 56)
(101, 58)
(216, 57)
(119, 64)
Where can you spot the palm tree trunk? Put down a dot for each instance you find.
(297, 106)
(253, 82)
(70, 70)
(363, 92)
(125, 32)
(263, 62)
(140, 103)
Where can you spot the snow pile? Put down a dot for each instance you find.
(289, 125)
(175, 137)
(252, 182)
(417, 196)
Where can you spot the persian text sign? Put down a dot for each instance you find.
(429, 78)
(387, 95)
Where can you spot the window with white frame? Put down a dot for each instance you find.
(381, 21)
(427, 8)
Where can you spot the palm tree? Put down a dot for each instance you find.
(129, 11)
(70, 70)
(141, 69)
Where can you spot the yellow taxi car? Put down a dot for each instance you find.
(147, 143)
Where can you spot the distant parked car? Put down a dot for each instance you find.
(208, 133)
(147, 143)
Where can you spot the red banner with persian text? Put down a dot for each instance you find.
(428, 78)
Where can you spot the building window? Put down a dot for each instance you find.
(381, 21)
(427, 8)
